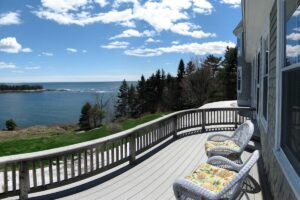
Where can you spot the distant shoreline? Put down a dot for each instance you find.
(22, 91)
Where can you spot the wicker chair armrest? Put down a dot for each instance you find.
(223, 150)
(185, 188)
(218, 137)
(225, 163)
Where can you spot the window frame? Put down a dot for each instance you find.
(287, 168)
(240, 72)
(265, 67)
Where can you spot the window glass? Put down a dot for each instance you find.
(290, 121)
(293, 34)
(290, 134)
(239, 79)
(265, 80)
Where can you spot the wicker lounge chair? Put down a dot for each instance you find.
(230, 146)
(224, 180)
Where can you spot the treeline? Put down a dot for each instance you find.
(4, 87)
(197, 82)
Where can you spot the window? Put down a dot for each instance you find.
(239, 79)
(265, 80)
(290, 115)
(257, 84)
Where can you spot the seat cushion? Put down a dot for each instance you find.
(226, 143)
(212, 178)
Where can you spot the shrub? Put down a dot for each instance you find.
(10, 125)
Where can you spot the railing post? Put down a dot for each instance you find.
(203, 120)
(235, 119)
(132, 146)
(24, 180)
(175, 136)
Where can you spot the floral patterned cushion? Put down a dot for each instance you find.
(211, 178)
(227, 143)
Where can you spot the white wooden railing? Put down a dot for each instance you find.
(32, 172)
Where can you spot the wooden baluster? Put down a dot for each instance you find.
(5, 179)
(203, 120)
(132, 148)
(79, 163)
(107, 154)
(91, 159)
(235, 119)
(58, 169)
(34, 174)
(72, 166)
(42, 172)
(66, 167)
(50, 171)
(85, 162)
(14, 178)
(24, 180)
(102, 155)
(112, 152)
(97, 157)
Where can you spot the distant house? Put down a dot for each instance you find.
(269, 80)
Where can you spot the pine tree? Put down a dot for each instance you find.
(122, 103)
(141, 94)
(132, 102)
(85, 119)
(179, 89)
(190, 68)
(229, 73)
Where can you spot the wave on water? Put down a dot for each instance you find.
(92, 90)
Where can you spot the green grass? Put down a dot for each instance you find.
(17, 146)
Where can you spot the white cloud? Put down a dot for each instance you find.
(4, 65)
(296, 13)
(116, 45)
(133, 33)
(71, 50)
(188, 29)
(26, 50)
(84, 51)
(232, 3)
(32, 68)
(47, 54)
(11, 45)
(160, 15)
(203, 7)
(217, 48)
(175, 42)
(18, 71)
(10, 18)
(151, 40)
(292, 51)
(293, 36)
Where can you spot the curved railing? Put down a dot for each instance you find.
(31, 172)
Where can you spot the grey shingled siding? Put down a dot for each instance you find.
(279, 185)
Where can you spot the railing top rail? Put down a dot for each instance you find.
(84, 145)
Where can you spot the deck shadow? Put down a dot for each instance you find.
(103, 179)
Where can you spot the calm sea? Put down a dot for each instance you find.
(60, 106)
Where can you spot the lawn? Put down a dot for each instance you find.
(17, 146)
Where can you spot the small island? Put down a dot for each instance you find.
(20, 88)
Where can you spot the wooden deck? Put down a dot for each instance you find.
(152, 177)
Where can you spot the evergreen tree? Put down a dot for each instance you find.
(85, 119)
(213, 63)
(122, 103)
(181, 70)
(141, 94)
(229, 73)
(133, 105)
(10, 125)
(190, 67)
(179, 89)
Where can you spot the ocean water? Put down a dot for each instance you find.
(61, 105)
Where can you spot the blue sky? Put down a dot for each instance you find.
(102, 40)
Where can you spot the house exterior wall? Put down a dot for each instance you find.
(280, 187)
